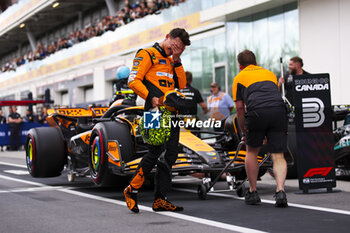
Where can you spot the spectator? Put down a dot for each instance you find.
(72, 40)
(15, 129)
(127, 4)
(30, 57)
(220, 105)
(164, 4)
(172, 2)
(144, 9)
(81, 36)
(2, 121)
(138, 13)
(29, 117)
(193, 94)
(126, 17)
(99, 30)
(50, 49)
(43, 115)
(152, 8)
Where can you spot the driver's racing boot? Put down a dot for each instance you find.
(131, 198)
(161, 204)
(131, 191)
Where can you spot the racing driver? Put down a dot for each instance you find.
(155, 71)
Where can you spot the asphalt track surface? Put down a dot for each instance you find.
(54, 205)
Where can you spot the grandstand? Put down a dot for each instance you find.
(81, 69)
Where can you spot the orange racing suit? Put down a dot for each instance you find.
(154, 73)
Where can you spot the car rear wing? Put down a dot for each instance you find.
(79, 112)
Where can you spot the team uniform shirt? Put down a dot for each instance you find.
(219, 105)
(257, 88)
(195, 96)
(154, 73)
(14, 115)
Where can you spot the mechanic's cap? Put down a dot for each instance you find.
(123, 72)
(176, 101)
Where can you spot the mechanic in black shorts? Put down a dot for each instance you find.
(261, 113)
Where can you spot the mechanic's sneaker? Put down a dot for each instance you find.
(281, 199)
(164, 205)
(252, 198)
(131, 199)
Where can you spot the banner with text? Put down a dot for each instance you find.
(313, 122)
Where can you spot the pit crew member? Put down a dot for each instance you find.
(261, 113)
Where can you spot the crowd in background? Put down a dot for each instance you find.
(127, 14)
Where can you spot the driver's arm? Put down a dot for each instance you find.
(138, 73)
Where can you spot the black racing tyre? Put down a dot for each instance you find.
(101, 175)
(45, 152)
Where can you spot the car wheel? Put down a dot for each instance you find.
(45, 152)
(98, 156)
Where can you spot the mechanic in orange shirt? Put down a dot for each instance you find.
(155, 72)
(261, 114)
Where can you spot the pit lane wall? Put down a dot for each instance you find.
(25, 127)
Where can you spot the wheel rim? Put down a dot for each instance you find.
(30, 154)
(95, 155)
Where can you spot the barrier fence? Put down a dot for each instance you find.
(25, 127)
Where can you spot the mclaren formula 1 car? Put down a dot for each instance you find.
(106, 144)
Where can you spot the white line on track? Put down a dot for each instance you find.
(17, 172)
(144, 208)
(34, 189)
(176, 215)
(336, 211)
(13, 165)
